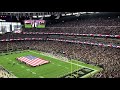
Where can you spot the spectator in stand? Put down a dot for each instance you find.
(108, 58)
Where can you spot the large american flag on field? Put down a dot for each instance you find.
(32, 60)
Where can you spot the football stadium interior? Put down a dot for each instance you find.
(59, 45)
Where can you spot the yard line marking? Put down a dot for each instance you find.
(59, 65)
(41, 77)
(33, 73)
(66, 67)
(23, 67)
(28, 69)
(67, 62)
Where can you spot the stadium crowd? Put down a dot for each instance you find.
(112, 41)
(88, 39)
(5, 74)
(107, 21)
(107, 30)
(105, 57)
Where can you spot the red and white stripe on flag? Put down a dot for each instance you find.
(35, 62)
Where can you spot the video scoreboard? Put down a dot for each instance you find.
(34, 23)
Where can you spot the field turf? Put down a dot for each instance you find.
(55, 69)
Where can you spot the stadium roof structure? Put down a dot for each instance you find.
(45, 14)
(51, 16)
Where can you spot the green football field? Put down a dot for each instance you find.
(55, 69)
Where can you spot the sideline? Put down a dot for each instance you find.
(66, 61)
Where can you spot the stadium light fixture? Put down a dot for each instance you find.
(40, 16)
(47, 15)
(63, 14)
(97, 12)
(34, 16)
(83, 12)
(90, 12)
(78, 14)
(58, 16)
(68, 14)
(75, 13)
